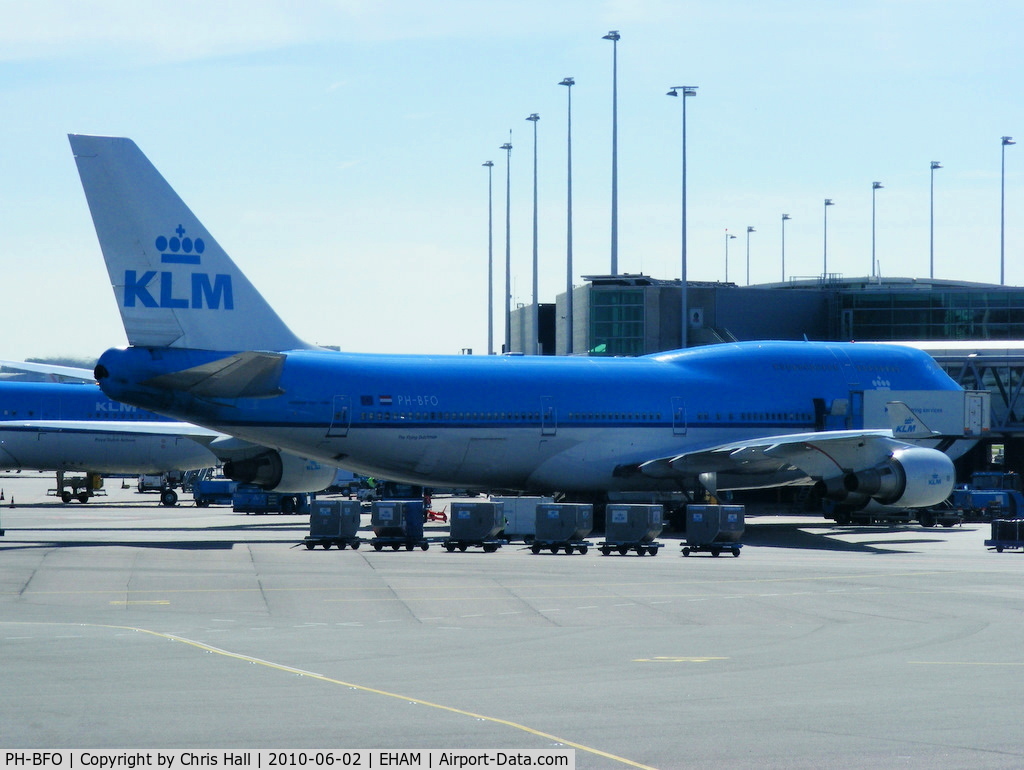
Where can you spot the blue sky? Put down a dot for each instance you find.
(334, 148)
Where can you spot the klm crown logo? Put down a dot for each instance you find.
(205, 290)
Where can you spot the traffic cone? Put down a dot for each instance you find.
(1, 494)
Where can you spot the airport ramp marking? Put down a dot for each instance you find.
(678, 659)
(963, 663)
(361, 688)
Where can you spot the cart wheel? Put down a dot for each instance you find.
(652, 550)
(490, 548)
(341, 544)
(569, 550)
(623, 550)
(377, 546)
(716, 551)
(424, 546)
(355, 545)
(641, 551)
(535, 548)
(394, 546)
(449, 547)
(999, 549)
(553, 549)
(463, 547)
(310, 546)
(327, 546)
(735, 551)
(409, 546)
(583, 549)
(605, 550)
(686, 550)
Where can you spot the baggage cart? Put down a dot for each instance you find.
(562, 526)
(334, 522)
(475, 524)
(397, 524)
(1006, 534)
(632, 528)
(714, 529)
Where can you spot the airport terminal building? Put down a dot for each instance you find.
(974, 330)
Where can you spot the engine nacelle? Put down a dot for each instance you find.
(914, 477)
(278, 472)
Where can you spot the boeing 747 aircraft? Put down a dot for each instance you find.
(206, 347)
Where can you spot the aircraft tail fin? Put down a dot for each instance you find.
(175, 286)
(905, 423)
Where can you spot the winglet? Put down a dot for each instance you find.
(905, 423)
(175, 286)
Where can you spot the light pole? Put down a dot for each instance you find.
(507, 147)
(727, 239)
(1007, 140)
(931, 221)
(569, 83)
(785, 218)
(535, 334)
(750, 230)
(875, 186)
(490, 257)
(614, 37)
(684, 285)
(828, 202)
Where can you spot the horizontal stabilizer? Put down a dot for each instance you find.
(243, 375)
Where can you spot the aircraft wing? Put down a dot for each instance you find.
(146, 427)
(760, 462)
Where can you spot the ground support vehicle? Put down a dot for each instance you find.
(398, 524)
(946, 515)
(213, 491)
(632, 528)
(334, 522)
(991, 495)
(714, 529)
(475, 524)
(562, 526)
(1006, 534)
(252, 499)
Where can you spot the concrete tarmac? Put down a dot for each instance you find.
(126, 625)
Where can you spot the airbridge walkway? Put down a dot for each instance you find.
(995, 366)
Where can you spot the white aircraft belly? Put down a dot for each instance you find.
(102, 452)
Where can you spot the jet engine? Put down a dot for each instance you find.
(914, 477)
(278, 472)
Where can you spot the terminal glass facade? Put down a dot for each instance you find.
(933, 315)
(617, 322)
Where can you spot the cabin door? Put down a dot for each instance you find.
(678, 416)
(548, 416)
(341, 417)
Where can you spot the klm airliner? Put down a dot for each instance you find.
(206, 347)
(76, 428)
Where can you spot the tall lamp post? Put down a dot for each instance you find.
(535, 333)
(1007, 140)
(931, 221)
(828, 202)
(507, 147)
(785, 218)
(750, 229)
(875, 187)
(614, 37)
(569, 83)
(684, 285)
(490, 257)
(728, 238)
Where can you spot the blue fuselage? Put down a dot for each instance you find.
(533, 423)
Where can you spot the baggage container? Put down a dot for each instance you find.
(563, 522)
(476, 522)
(625, 523)
(334, 522)
(521, 515)
(714, 528)
(397, 518)
(1006, 533)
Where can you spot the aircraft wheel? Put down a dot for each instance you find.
(553, 549)
(999, 549)
(569, 549)
(168, 497)
(490, 548)
(409, 546)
